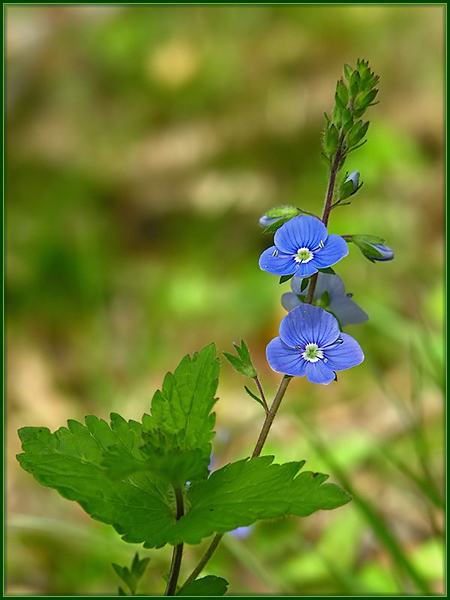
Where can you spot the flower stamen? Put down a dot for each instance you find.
(303, 255)
(312, 353)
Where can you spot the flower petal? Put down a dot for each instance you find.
(283, 359)
(278, 264)
(305, 269)
(300, 232)
(309, 324)
(320, 372)
(345, 355)
(290, 300)
(333, 284)
(335, 248)
(347, 311)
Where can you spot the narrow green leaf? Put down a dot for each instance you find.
(328, 270)
(250, 393)
(285, 278)
(206, 586)
(304, 284)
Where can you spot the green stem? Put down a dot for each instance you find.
(270, 414)
(263, 398)
(328, 205)
(201, 565)
(178, 549)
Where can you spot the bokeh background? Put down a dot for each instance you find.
(143, 143)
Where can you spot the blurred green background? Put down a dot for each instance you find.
(142, 145)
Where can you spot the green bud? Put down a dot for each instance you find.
(331, 140)
(349, 185)
(282, 211)
(348, 72)
(337, 114)
(365, 99)
(357, 132)
(355, 81)
(347, 120)
(341, 93)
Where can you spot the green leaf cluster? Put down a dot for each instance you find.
(131, 577)
(242, 362)
(345, 130)
(125, 473)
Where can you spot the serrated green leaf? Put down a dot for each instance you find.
(243, 492)
(78, 460)
(183, 406)
(140, 508)
(206, 586)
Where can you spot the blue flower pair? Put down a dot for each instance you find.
(311, 343)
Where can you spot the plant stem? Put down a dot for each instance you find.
(178, 549)
(263, 398)
(334, 169)
(270, 414)
(328, 206)
(201, 565)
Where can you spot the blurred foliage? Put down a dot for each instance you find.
(142, 145)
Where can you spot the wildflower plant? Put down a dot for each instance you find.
(153, 479)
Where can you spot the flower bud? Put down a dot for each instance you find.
(373, 247)
(349, 186)
(276, 217)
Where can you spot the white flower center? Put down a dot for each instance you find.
(303, 255)
(312, 353)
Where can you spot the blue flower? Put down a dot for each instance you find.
(311, 344)
(340, 304)
(302, 246)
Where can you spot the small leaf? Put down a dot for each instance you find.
(285, 278)
(206, 586)
(242, 363)
(328, 270)
(131, 578)
(250, 393)
(304, 284)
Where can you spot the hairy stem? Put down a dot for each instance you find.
(334, 170)
(263, 398)
(270, 414)
(201, 565)
(328, 206)
(178, 549)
